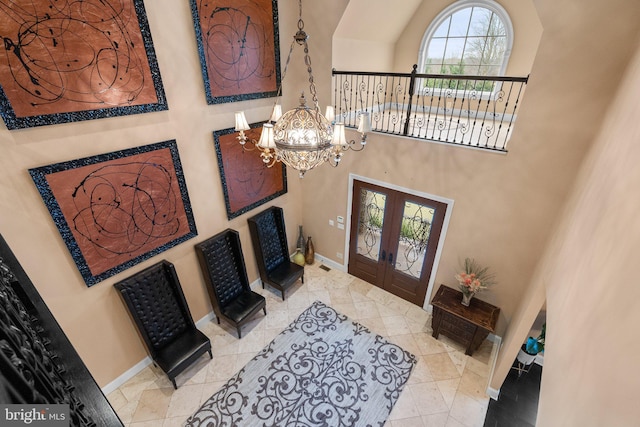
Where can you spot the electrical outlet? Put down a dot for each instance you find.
(340, 226)
(331, 223)
(340, 220)
(339, 255)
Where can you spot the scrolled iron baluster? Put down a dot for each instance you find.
(489, 130)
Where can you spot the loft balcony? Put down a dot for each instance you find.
(463, 110)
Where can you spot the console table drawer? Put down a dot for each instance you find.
(449, 320)
(457, 330)
(467, 325)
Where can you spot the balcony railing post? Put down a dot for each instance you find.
(412, 85)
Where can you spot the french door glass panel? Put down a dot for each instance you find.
(413, 238)
(370, 223)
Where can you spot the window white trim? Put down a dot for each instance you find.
(463, 4)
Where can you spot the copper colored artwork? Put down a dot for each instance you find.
(120, 209)
(246, 181)
(69, 56)
(117, 209)
(238, 45)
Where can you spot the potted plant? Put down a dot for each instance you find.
(536, 345)
(531, 348)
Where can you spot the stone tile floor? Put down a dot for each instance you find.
(446, 388)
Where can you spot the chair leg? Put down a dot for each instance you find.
(303, 277)
(282, 294)
(218, 319)
(239, 332)
(210, 354)
(173, 380)
(265, 310)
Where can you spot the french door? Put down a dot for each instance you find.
(393, 239)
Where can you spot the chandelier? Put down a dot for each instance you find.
(302, 138)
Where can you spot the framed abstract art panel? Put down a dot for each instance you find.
(246, 181)
(239, 48)
(117, 209)
(68, 61)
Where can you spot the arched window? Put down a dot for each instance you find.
(470, 37)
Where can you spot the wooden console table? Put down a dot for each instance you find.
(467, 325)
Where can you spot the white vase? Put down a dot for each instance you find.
(466, 298)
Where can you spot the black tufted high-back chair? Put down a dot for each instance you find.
(269, 237)
(225, 273)
(157, 305)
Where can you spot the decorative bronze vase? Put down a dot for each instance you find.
(309, 253)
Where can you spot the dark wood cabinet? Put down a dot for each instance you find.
(467, 325)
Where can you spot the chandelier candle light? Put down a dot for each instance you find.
(303, 138)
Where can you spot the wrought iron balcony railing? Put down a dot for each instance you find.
(474, 111)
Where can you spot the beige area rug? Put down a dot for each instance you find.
(322, 370)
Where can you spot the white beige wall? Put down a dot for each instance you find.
(95, 318)
(592, 337)
(505, 205)
(366, 35)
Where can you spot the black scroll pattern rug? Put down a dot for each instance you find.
(322, 370)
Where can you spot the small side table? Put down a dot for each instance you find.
(467, 325)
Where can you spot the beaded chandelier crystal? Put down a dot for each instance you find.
(302, 138)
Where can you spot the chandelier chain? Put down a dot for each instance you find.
(307, 61)
(312, 85)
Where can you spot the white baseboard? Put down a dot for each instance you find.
(497, 343)
(330, 263)
(130, 373)
(206, 318)
(493, 393)
(135, 370)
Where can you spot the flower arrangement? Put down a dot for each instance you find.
(474, 278)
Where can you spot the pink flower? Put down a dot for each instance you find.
(474, 278)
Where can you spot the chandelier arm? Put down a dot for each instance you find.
(273, 162)
(269, 158)
(253, 146)
(352, 144)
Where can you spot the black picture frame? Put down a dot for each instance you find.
(118, 209)
(14, 121)
(240, 60)
(246, 181)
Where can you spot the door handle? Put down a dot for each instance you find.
(390, 258)
(384, 255)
